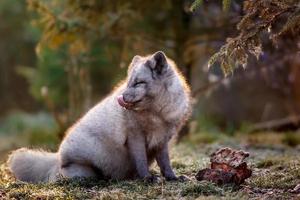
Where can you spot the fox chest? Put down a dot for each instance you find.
(157, 132)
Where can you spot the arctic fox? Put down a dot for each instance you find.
(122, 135)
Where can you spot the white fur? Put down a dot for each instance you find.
(98, 139)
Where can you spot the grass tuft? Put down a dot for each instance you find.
(282, 173)
(202, 188)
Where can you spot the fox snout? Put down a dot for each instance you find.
(124, 103)
(129, 100)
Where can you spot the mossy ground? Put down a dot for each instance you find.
(276, 170)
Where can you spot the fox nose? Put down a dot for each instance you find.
(128, 98)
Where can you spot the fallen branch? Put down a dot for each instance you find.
(290, 122)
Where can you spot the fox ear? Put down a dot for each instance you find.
(136, 58)
(159, 62)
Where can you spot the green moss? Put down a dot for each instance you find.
(178, 165)
(291, 139)
(282, 173)
(202, 188)
(268, 162)
(206, 137)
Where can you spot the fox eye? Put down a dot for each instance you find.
(139, 83)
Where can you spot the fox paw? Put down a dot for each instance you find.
(152, 179)
(179, 178)
(183, 178)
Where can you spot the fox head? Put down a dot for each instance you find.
(148, 82)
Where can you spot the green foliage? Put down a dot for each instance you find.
(206, 137)
(226, 4)
(85, 43)
(197, 3)
(261, 17)
(78, 23)
(28, 129)
(16, 48)
(49, 72)
(291, 139)
(18, 123)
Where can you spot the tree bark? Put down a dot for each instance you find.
(181, 26)
(80, 90)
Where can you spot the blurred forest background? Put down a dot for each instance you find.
(60, 57)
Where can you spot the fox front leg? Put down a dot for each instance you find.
(137, 150)
(163, 162)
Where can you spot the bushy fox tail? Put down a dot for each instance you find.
(34, 166)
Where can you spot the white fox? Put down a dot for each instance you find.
(122, 135)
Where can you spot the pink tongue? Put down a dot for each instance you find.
(122, 102)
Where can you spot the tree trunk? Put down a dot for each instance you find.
(181, 26)
(80, 91)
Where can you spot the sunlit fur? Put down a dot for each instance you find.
(96, 146)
